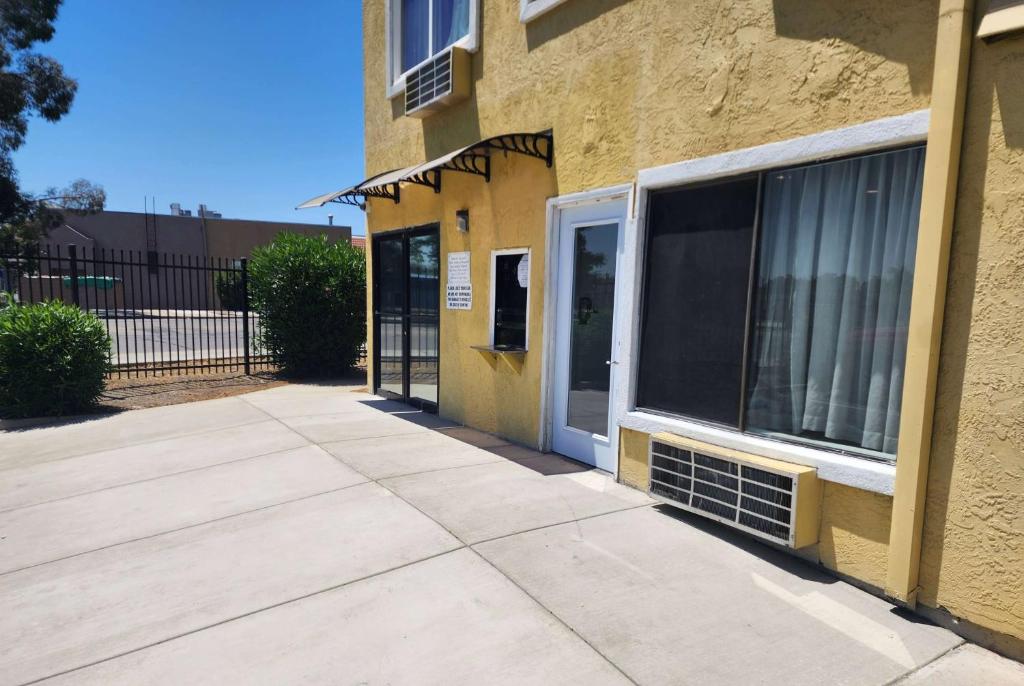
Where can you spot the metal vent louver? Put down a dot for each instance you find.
(442, 80)
(767, 498)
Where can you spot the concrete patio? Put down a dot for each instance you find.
(317, 534)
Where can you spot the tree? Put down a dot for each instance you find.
(38, 215)
(32, 84)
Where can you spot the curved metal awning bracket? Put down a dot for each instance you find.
(540, 145)
(431, 178)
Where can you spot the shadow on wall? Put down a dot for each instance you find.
(565, 19)
(894, 34)
(994, 76)
(452, 127)
(854, 534)
(1006, 78)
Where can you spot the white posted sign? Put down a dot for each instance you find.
(460, 288)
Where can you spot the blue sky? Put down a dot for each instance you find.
(250, 107)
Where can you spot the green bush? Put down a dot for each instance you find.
(53, 358)
(311, 299)
(229, 290)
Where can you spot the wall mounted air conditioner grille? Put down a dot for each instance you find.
(430, 82)
(757, 498)
(440, 81)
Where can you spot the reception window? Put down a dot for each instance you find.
(778, 304)
(510, 288)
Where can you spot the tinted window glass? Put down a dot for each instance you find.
(695, 299)
(510, 301)
(593, 297)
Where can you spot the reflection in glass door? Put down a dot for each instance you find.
(389, 258)
(589, 243)
(407, 315)
(424, 313)
(591, 336)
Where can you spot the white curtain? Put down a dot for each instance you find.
(835, 271)
(459, 25)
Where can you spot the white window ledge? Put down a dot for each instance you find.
(867, 475)
(530, 9)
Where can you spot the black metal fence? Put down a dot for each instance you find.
(165, 313)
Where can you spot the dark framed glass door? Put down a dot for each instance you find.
(406, 315)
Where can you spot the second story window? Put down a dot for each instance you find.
(428, 27)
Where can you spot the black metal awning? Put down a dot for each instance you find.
(472, 159)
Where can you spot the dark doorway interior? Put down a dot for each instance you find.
(406, 315)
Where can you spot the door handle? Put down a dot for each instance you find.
(610, 362)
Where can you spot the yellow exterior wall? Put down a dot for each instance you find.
(972, 560)
(633, 469)
(854, 536)
(624, 86)
(495, 393)
(632, 84)
(629, 84)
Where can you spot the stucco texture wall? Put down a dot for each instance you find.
(496, 393)
(628, 84)
(973, 548)
(624, 85)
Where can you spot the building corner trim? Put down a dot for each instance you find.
(954, 39)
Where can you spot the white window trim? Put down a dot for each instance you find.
(873, 136)
(529, 10)
(395, 83)
(529, 272)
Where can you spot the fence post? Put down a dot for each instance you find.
(245, 312)
(73, 257)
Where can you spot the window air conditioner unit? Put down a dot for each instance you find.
(438, 83)
(768, 498)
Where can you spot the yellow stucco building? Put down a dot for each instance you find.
(763, 259)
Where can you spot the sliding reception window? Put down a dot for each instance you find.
(510, 298)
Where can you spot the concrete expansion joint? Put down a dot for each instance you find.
(147, 441)
(464, 545)
(181, 528)
(153, 478)
(903, 677)
(228, 620)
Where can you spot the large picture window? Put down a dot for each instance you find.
(426, 27)
(779, 304)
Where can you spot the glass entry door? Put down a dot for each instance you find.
(590, 241)
(407, 300)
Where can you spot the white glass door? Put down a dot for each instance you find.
(590, 243)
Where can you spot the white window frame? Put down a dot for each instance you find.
(871, 137)
(530, 9)
(395, 82)
(494, 273)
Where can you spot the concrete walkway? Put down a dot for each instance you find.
(317, 534)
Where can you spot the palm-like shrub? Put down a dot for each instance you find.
(311, 299)
(53, 359)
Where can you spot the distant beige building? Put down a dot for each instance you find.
(150, 256)
(201, 236)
